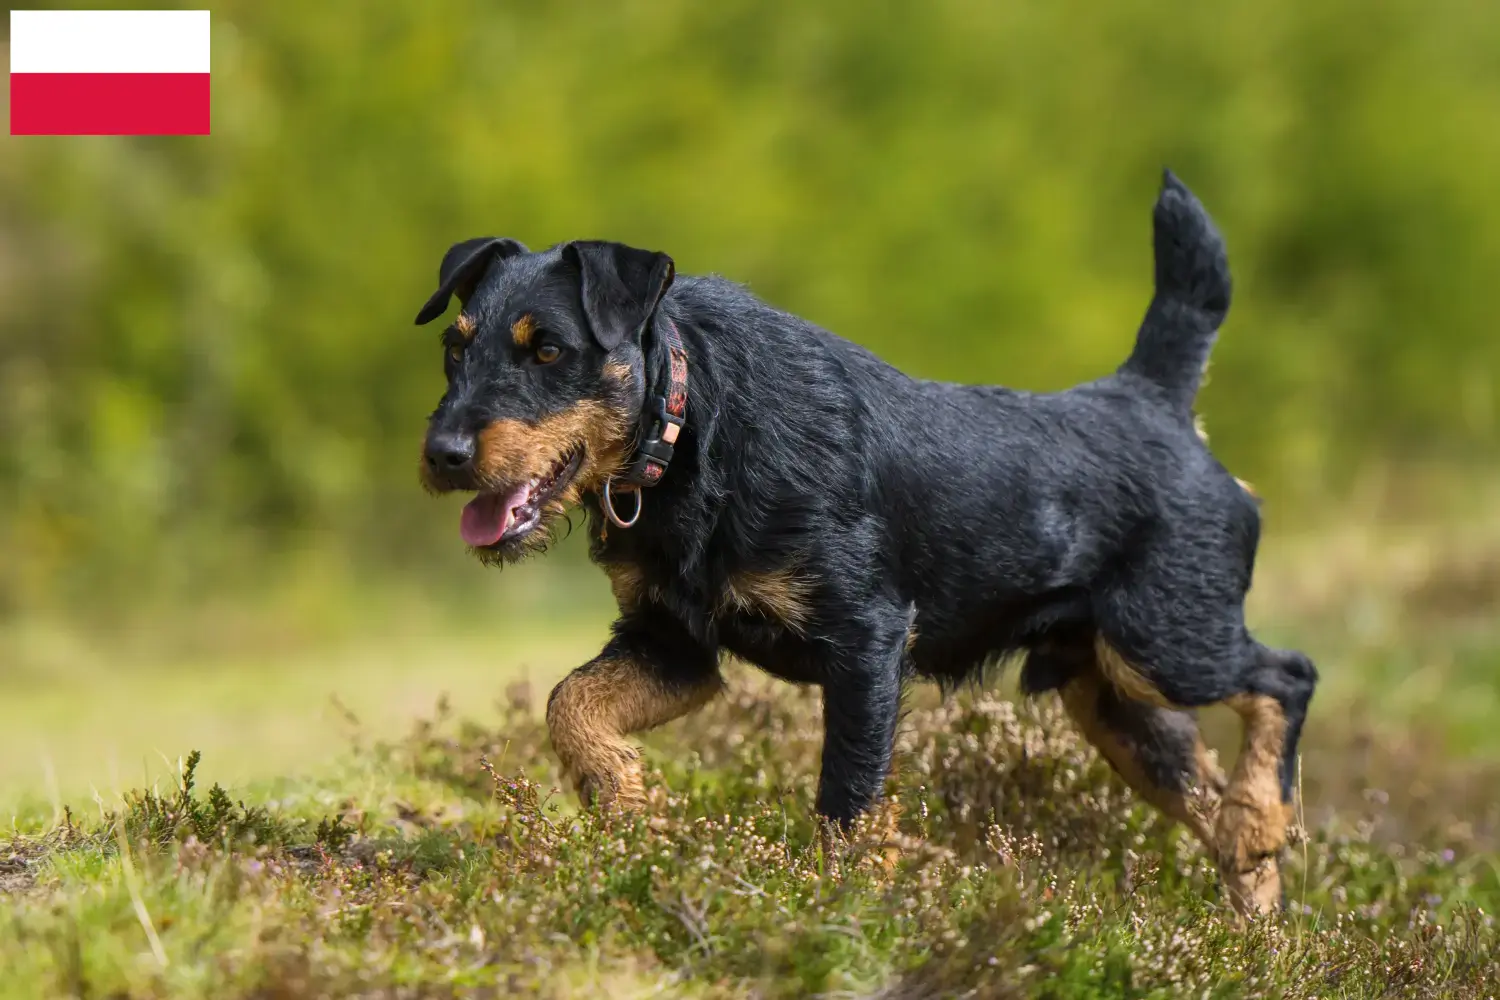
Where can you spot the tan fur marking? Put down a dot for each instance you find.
(1196, 809)
(628, 584)
(1252, 823)
(465, 325)
(1125, 677)
(522, 330)
(617, 370)
(513, 451)
(781, 595)
(595, 707)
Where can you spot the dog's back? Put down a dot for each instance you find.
(1002, 510)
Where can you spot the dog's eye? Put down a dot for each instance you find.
(455, 354)
(548, 353)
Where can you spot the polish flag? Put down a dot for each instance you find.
(109, 72)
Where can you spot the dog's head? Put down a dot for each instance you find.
(545, 380)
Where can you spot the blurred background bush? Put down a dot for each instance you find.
(206, 349)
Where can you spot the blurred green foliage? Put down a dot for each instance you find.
(206, 350)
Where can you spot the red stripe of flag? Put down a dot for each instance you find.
(109, 104)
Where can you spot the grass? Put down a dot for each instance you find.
(444, 864)
(262, 691)
(343, 860)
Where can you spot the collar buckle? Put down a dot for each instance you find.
(654, 452)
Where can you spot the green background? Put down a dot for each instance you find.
(206, 349)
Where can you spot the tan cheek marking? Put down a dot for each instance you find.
(513, 451)
(522, 330)
(781, 595)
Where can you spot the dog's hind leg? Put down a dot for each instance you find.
(1172, 633)
(1157, 751)
(1258, 803)
(644, 678)
(1270, 691)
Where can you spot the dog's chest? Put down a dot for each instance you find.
(764, 617)
(767, 619)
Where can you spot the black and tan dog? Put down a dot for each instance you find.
(760, 486)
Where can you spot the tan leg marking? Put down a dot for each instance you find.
(1127, 680)
(1196, 808)
(595, 707)
(1252, 819)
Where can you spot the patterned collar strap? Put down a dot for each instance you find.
(664, 416)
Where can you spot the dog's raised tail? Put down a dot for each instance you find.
(1192, 296)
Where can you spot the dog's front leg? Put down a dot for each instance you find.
(860, 707)
(649, 674)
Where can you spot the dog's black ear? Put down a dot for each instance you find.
(463, 265)
(621, 287)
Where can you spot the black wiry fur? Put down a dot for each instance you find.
(992, 520)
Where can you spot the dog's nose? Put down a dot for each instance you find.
(450, 452)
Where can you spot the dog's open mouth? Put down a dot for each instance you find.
(498, 517)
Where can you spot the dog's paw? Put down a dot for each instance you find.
(1248, 841)
(613, 783)
(1248, 831)
(1254, 892)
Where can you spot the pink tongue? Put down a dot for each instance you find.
(489, 516)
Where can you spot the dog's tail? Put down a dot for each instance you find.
(1192, 296)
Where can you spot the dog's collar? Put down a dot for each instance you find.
(663, 419)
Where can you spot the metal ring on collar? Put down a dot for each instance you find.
(609, 505)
